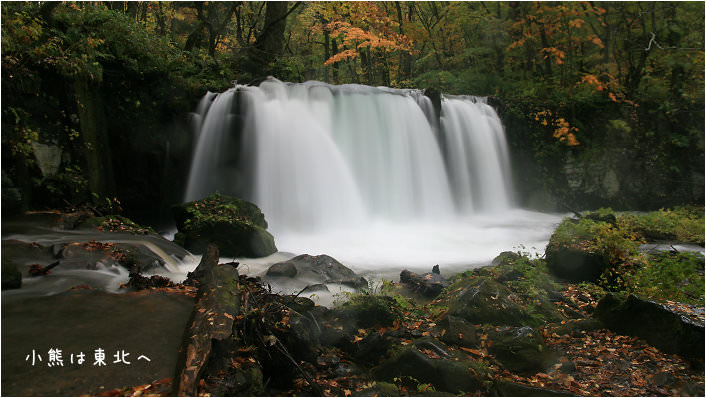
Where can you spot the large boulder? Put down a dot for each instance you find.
(575, 265)
(521, 350)
(484, 300)
(316, 269)
(657, 324)
(457, 331)
(444, 374)
(581, 250)
(236, 226)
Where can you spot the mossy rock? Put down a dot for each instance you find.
(115, 223)
(236, 226)
(575, 265)
(444, 374)
(370, 310)
(659, 325)
(521, 350)
(484, 300)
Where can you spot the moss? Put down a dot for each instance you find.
(670, 276)
(235, 225)
(115, 223)
(218, 208)
(685, 224)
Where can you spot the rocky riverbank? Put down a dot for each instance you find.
(520, 326)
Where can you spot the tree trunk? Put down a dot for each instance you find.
(270, 41)
(212, 319)
(93, 124)
(334, 50)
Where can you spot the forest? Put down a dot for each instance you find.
(245, 198)
(574, 78)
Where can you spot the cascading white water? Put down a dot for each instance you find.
(349, 170)
(477, 154)
(325, 156)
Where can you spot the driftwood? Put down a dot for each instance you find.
(429, 284)
(214, 313)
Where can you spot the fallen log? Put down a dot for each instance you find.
(429, 284)
(212, 319)
(38, 270)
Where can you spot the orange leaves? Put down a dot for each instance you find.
(562, 129)
(365, 26)
(342, 56)
(593, 81)
(474, 352)
(596, 40)
(556, 53)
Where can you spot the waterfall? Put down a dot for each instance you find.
(315, 156)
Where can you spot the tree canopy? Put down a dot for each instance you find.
(559, 61)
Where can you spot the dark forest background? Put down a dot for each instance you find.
(603, 102)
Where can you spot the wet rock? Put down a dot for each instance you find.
(654, 322)
(575, 265)
(346, 369)
(321, 269)
(483, 300)
(368, 311)
(302, 339)
(286, 270)
(521, 350)
(301, 305)
(236, 226)
(371, 348)
(505, 258)
(444, 374)
(457, 331)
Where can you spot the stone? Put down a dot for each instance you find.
(574, 265)
(285, 270)
(456, 331)
(316, 269)
(521, 350)
(302, 340)
(371, 348)
(236, 226)
(444, 374)
(483, 300)
(657, 324)
(48, 158)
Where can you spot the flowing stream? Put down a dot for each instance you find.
(370, 176)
